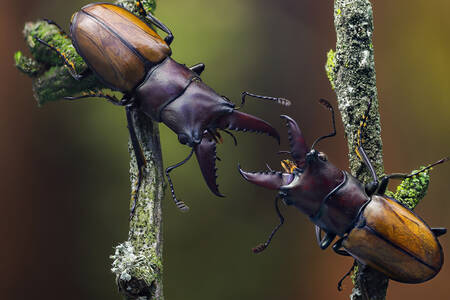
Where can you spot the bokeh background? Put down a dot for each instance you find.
(65, 186)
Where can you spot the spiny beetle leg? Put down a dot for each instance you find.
(297, 143)
(169, 38)
(61, 30)
(140, 159)
(97, 94)
(339, 285)
(262, 247)
(180, 204)
(198, 68)
(206, 157)
(70, 65)
(244, 122)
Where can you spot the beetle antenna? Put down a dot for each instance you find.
(262, 247)
(281, 101)
(330, 108)
(180, 204)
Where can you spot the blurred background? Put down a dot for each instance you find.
(65, 183)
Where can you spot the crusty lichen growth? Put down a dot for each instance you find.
(355, 82)
(353, 77)
(138, 261)
(411, 190)
(329, 67)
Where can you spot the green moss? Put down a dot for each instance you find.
(27, 65)
(329, 67)
(411, 190)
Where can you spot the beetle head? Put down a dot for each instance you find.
(306, 179)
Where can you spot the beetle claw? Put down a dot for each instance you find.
(271, 180)
(206, 157)
(299, 149)
(245, 122)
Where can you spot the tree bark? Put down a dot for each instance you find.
(137, 263)
(351, 71)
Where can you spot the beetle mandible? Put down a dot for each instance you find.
(376, 230)
(129, 56)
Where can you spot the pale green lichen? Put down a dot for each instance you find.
(411, 190)
(128, 263)
(329, 67)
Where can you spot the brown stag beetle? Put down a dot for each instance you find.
(127, 55)
(376, 230)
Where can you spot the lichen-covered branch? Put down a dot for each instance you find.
(138, 261)
(351, 71)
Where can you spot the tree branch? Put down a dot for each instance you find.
(138, 261)
(351, 71)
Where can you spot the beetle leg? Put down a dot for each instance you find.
(326, 240)
(385, 180)
(140, 159)
(180, 204)
(370, 187)
(438, 231)
(229, 133)
(97, 94)
(169, 38)
(339, 285)
(281, 101)
(70, 65)
(198, 68)
(262, 247)
(61, 30)
(206, 157)
(244, 122)
(337, 248)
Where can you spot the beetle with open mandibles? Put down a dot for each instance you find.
(127, 55)
(376, 230)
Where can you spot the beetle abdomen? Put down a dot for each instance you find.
(117, 46)
(394, 241)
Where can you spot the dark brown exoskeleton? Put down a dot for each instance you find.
(129, 56)
(376, 230)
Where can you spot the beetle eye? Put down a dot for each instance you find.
(323, 156)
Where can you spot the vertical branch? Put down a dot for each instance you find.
(138, 261)
(351, 70)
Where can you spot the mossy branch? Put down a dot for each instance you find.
(351, 71)
(138, 261)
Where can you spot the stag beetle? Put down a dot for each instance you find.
(376, 230)
(128, 56)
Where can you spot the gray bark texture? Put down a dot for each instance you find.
(137, 263)
(351, 70)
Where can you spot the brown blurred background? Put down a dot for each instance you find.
(65, 187)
